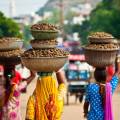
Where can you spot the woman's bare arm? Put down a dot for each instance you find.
(85, 108)
(60, 77)
(29, 79)
(117, 66)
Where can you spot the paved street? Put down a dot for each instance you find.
(73, 111)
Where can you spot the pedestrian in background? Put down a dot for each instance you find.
(2, 89)
(24, 72)
(13, 86)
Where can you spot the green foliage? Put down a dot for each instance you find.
(105, 17)
(68, 28)
(101, 20)
(69, 16)
(26, 34)
(84, 30)
(8, 28)
(116, 4)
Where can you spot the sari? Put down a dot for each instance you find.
(11, 107)
(108, 103)
(46, 103)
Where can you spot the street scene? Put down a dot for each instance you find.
(60, 60)
(74, 111)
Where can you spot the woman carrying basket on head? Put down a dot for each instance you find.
(13, 86)
(99, 95)
(46, 103)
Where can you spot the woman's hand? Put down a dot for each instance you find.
(85, 108)
(33, 73)
(32, 76)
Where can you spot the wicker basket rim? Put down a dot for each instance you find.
(41, 40)
(42, 44)
(10, 57)
(49, 31)
(43, 47)
(101, 49)
(102, 41)
(19, 41)
(44, 57)
(5, 41)
(90, 37)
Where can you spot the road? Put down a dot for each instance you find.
(74, 111)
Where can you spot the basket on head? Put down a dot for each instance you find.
(44, 34)
(100, 37)
(44, 64)
(37, 45)
(11, 45)
(100, 58)
(102, 40)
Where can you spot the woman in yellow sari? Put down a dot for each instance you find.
(46, 103)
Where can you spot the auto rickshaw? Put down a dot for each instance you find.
(77, 74)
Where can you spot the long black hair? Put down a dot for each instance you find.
(8, 74)
(100, 77)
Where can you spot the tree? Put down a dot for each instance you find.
(116, 4)
(26, 34)
(8, 28)
(105, 17)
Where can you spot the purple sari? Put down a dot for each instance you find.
(108, 103)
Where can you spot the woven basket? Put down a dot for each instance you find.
(44, 34)
(101, 40)
(119, 42)
(10, 45)
(39, 46)
(100, 58)
(10, 60)
(44, 64)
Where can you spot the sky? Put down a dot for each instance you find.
(22, 6)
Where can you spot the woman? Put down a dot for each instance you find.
(46, 103)
(2, 89)
(98, 96)
(13, 86)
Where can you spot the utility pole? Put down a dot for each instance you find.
(61, 6)
(12, 8)
(61, 13)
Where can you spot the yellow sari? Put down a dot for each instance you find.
(46, 103)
